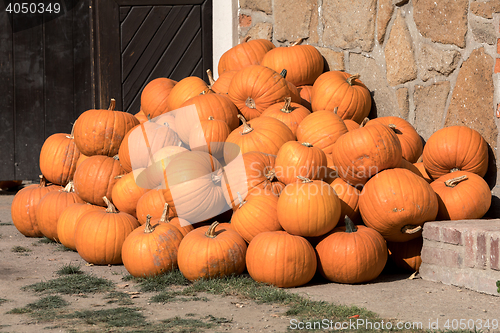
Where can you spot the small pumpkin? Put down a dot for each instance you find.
(349, 199)
(221, 85)
(151, 203)
(210, 136)
(184, 90)
(299, 159)
(291, 114)
(58, 158)
(248, 52)
(126, 192)
(154, 96)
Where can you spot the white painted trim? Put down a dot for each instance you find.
(225, 28)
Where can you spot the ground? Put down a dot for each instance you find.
(26, 261)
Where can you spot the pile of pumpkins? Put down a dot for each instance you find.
(273, 168)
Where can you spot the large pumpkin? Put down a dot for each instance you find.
(281, 259)
(396, 203)
(461, 195)
(455, 148)
(24, 205)
(154, 96)
(360, 154)
(66, 224)
(291, 114)
(299, 159)
(352, 254)
(184, 90)
(100, 132)
(58, 158)
(248, 52)
(209, 252)
(100, 234)
(151, 250)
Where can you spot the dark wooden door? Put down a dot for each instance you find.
(137, 41)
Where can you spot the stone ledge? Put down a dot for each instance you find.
(462, 253)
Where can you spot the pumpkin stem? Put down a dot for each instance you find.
(211, 118)
(304, 179)
(283, 73)
(349, 225)
(164, 214)
(116, 157)
(119, 176)
(420, 159)
(112, 105)
(454, 181)
(454, 169)
(351, 78)
(336, 110)
(43, 181)
(307, 144)
(270, 175)
(286, 107)
(411, 229)
(246, 39)
(71, 135)
(111, 208)
(250, 103)
(240, 199)
(211, 230)
(148, 228)
(210, 77)
(297, 42)
(363, 123)
(246, 128)
(69, 187)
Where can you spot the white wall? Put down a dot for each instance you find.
(225, 28)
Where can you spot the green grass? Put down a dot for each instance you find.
(72, 284)
(45, 309)
(69, 269)
(160, 282)
(3, 300)
(20, 249)
(119, 298)
(117, 317)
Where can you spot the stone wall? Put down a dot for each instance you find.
(431, 62)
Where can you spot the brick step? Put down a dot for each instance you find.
(462, 253)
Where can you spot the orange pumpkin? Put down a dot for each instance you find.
(351, 125)
(221, 85)
(151, 250)
(352, 254)
(210, 136)
(126, 192)
(305, 93)
(248, 52)
(291, 114)
(184, 90)
(420, 167)
(151, 203)
(455, 148)
(141, 117)
(406, 255)
(154, 96)
(66, 224)
(299, 159)
(184, 226)
(58, 158)
(396, 203)
(336, 89)
(24, 205)
(349, 199)
(207, 253)
(281, 259)
(461, 195)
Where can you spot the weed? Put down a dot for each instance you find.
(3, 300)
(69, 269)
(117, 317)
(160, 282)
(44, 309)
(119, 297)
(46, 240)
(72, 284)
(63, 248)
(20, 249)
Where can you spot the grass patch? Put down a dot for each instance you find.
(160, 282)
(177, 296)
(46, 309)
(118, 317)
(119, 298)
(69, 270)
(72, 284)
(20, 249)
(3, 300)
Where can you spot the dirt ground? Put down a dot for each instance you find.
(391, 296)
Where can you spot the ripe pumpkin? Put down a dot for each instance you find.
(141, 117)
(221, 85)
(151, 250)
(255, 88)
(184, 226)
(207, 253)
(304, 63)
(308, 208)
(281, 259)
(360, 154)
(352, 254)
(126, 192)
(407, 165)
(396, 203)
(248, 52)
(351, 125)
(257, 213)
(321, 129)
(154, 96)
(95, 178)
(461, 195)
(349, 199)
(291, 114)
(336, 89)
(151, 203)
(58, 158)
(184, 90)
(264, 134)
(51, 206)
(100, 234)
(455, 148)
(66, 224)
(420, 167)
(100, 132)
(305, 93)
(24, 205)
(406, 255)
(210, 136)
(411, 143)
(80, 160)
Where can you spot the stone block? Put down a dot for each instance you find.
(430, 104)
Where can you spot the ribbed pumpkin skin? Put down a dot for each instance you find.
(210, 137)
(331, 89)
(267, 136)
(204, 257)
(154, 96)
(184, 90)
(152, 203)
(406, 255)
(349, 199)
(24, 205)
(396, 198)
(66, 224)
(244, 54)
(58, 158)
(362, 153)
(299, 159)
(411, 143)
(353, 257)
(291, 114)
(257, 214)
(468, 199)
(126, 193)
(99, 236)
(100, 132)
(321, 129)
(147, 252)
(303, 63)
(221, 85)
(49, 210)
(407, 165)
(95, 178)
(308, 209)
(255, 88)
(281, 259)
(142, 142)
(351, 125)
(455, 147)
(305, 93)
